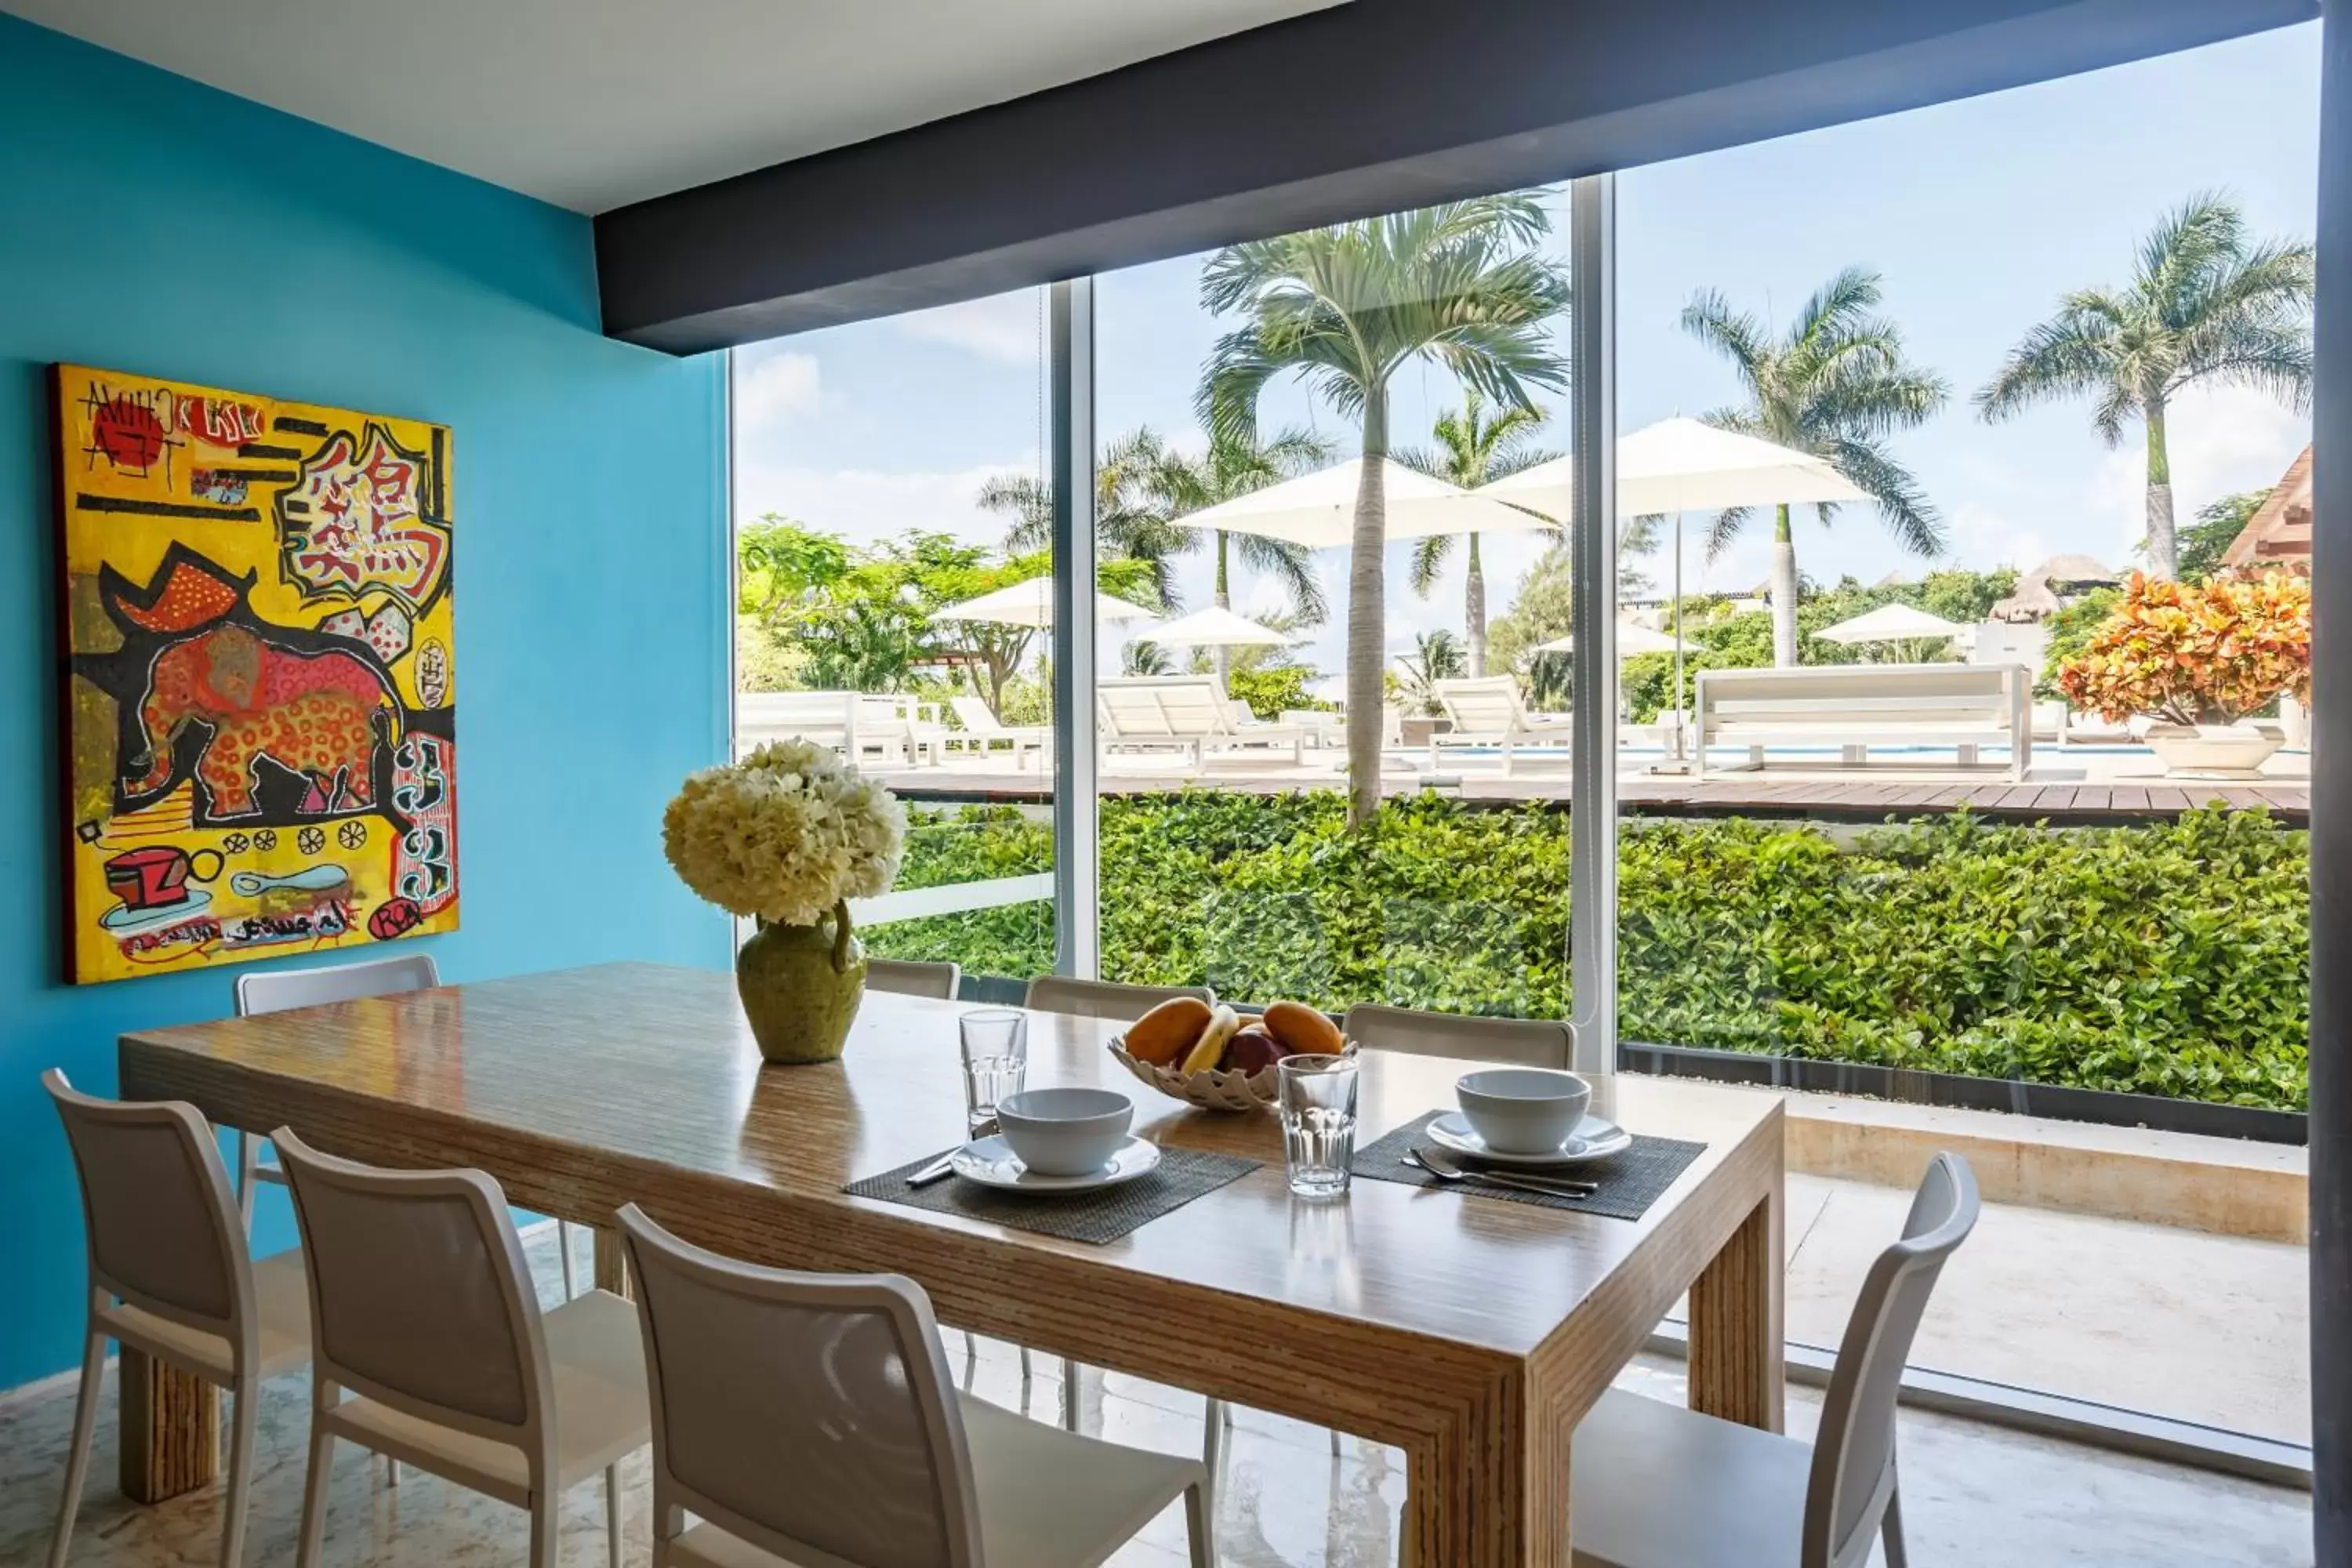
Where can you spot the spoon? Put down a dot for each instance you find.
(1447, 1172)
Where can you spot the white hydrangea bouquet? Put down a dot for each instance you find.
(787, 837)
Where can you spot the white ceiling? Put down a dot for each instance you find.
(592, 104)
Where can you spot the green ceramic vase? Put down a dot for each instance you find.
(800, 987)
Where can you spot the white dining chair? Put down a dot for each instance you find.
(1112, 1002)
(1654, 1486)
(171, 1277)
(1523, 1042)
(432, 1348)
(809, 1418)
(913, 977)
(1105, 999)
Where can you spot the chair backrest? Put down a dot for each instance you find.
(911, 977)
(1486, 705)
(1853, 1454)
(1989, 694)
(277, 990)
(836, 1377)
(830, 715)
(161, 1223)
(1105, 999)
(1527, 1042)
(1162, 707)
(976, 716)
(420, 1297)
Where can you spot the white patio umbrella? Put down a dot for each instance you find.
(1031, 603)
(1633, 637)
(1890, 622)
(1319, 510)
(1215, 626)
(1682, 465)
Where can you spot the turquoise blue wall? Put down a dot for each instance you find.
(149, 223)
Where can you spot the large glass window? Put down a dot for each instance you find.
(1330, 637)
(2005, 781)
(894, 582)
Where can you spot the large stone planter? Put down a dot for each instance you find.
(2210, 750)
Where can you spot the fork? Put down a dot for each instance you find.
(1451, 1174)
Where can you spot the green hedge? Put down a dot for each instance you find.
(2166, 960)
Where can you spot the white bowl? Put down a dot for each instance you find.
(1523, 1111)
(1064, 1132)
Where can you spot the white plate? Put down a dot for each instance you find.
(992, 1163)
(1593, 1139)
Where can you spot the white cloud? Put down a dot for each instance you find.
(776, 387)
(865, 505)
(1002, 327)
(1987, 539)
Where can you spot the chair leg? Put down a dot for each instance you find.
(312, 1540)
(613, 1515)
(93, 1374)
(1890, 1528)
(1069, 1394)
(1024, 1374)
(545, 1543)
(1212, 1435)
(247, 1395)
(248, 1161)
(1200, 1527)
(1337, 1451)
(564, 1245)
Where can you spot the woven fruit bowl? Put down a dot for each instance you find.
(1217, 1089)
(1211, 1058)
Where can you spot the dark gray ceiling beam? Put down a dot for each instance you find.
(1367, 107)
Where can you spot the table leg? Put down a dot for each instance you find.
(1737, 1357)
(1492, 1491)
(170, 1426)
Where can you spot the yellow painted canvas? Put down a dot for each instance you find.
(260, 693)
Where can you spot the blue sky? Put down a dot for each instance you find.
(1978, 214)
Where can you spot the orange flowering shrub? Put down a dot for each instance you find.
(2194, 655)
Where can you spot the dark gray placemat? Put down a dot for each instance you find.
(1629, 1181)
(1098, 1217)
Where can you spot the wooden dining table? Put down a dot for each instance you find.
(1470, 1331)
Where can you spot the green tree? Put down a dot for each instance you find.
(2218, 525)
(2205, 303)
(1837, 386)
(1472, 449)
(1436, 656)
(1343, 309)
(1130, 522)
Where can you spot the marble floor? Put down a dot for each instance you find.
(1971, 1494)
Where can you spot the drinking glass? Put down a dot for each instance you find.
(1317, 1103)
(995, 1061)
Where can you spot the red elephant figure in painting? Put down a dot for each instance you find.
(313, 714)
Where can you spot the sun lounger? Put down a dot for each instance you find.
(1487, 711)
(982, 732)
(854, 723)
(1858, 707)
(1186, 714)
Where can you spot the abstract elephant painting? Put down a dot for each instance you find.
(260, 679)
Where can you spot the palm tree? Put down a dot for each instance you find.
(1130, 524)
(1235, 465)
(1472, 450)
(2204, 304)
(1836, 386)
(1343, 309)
